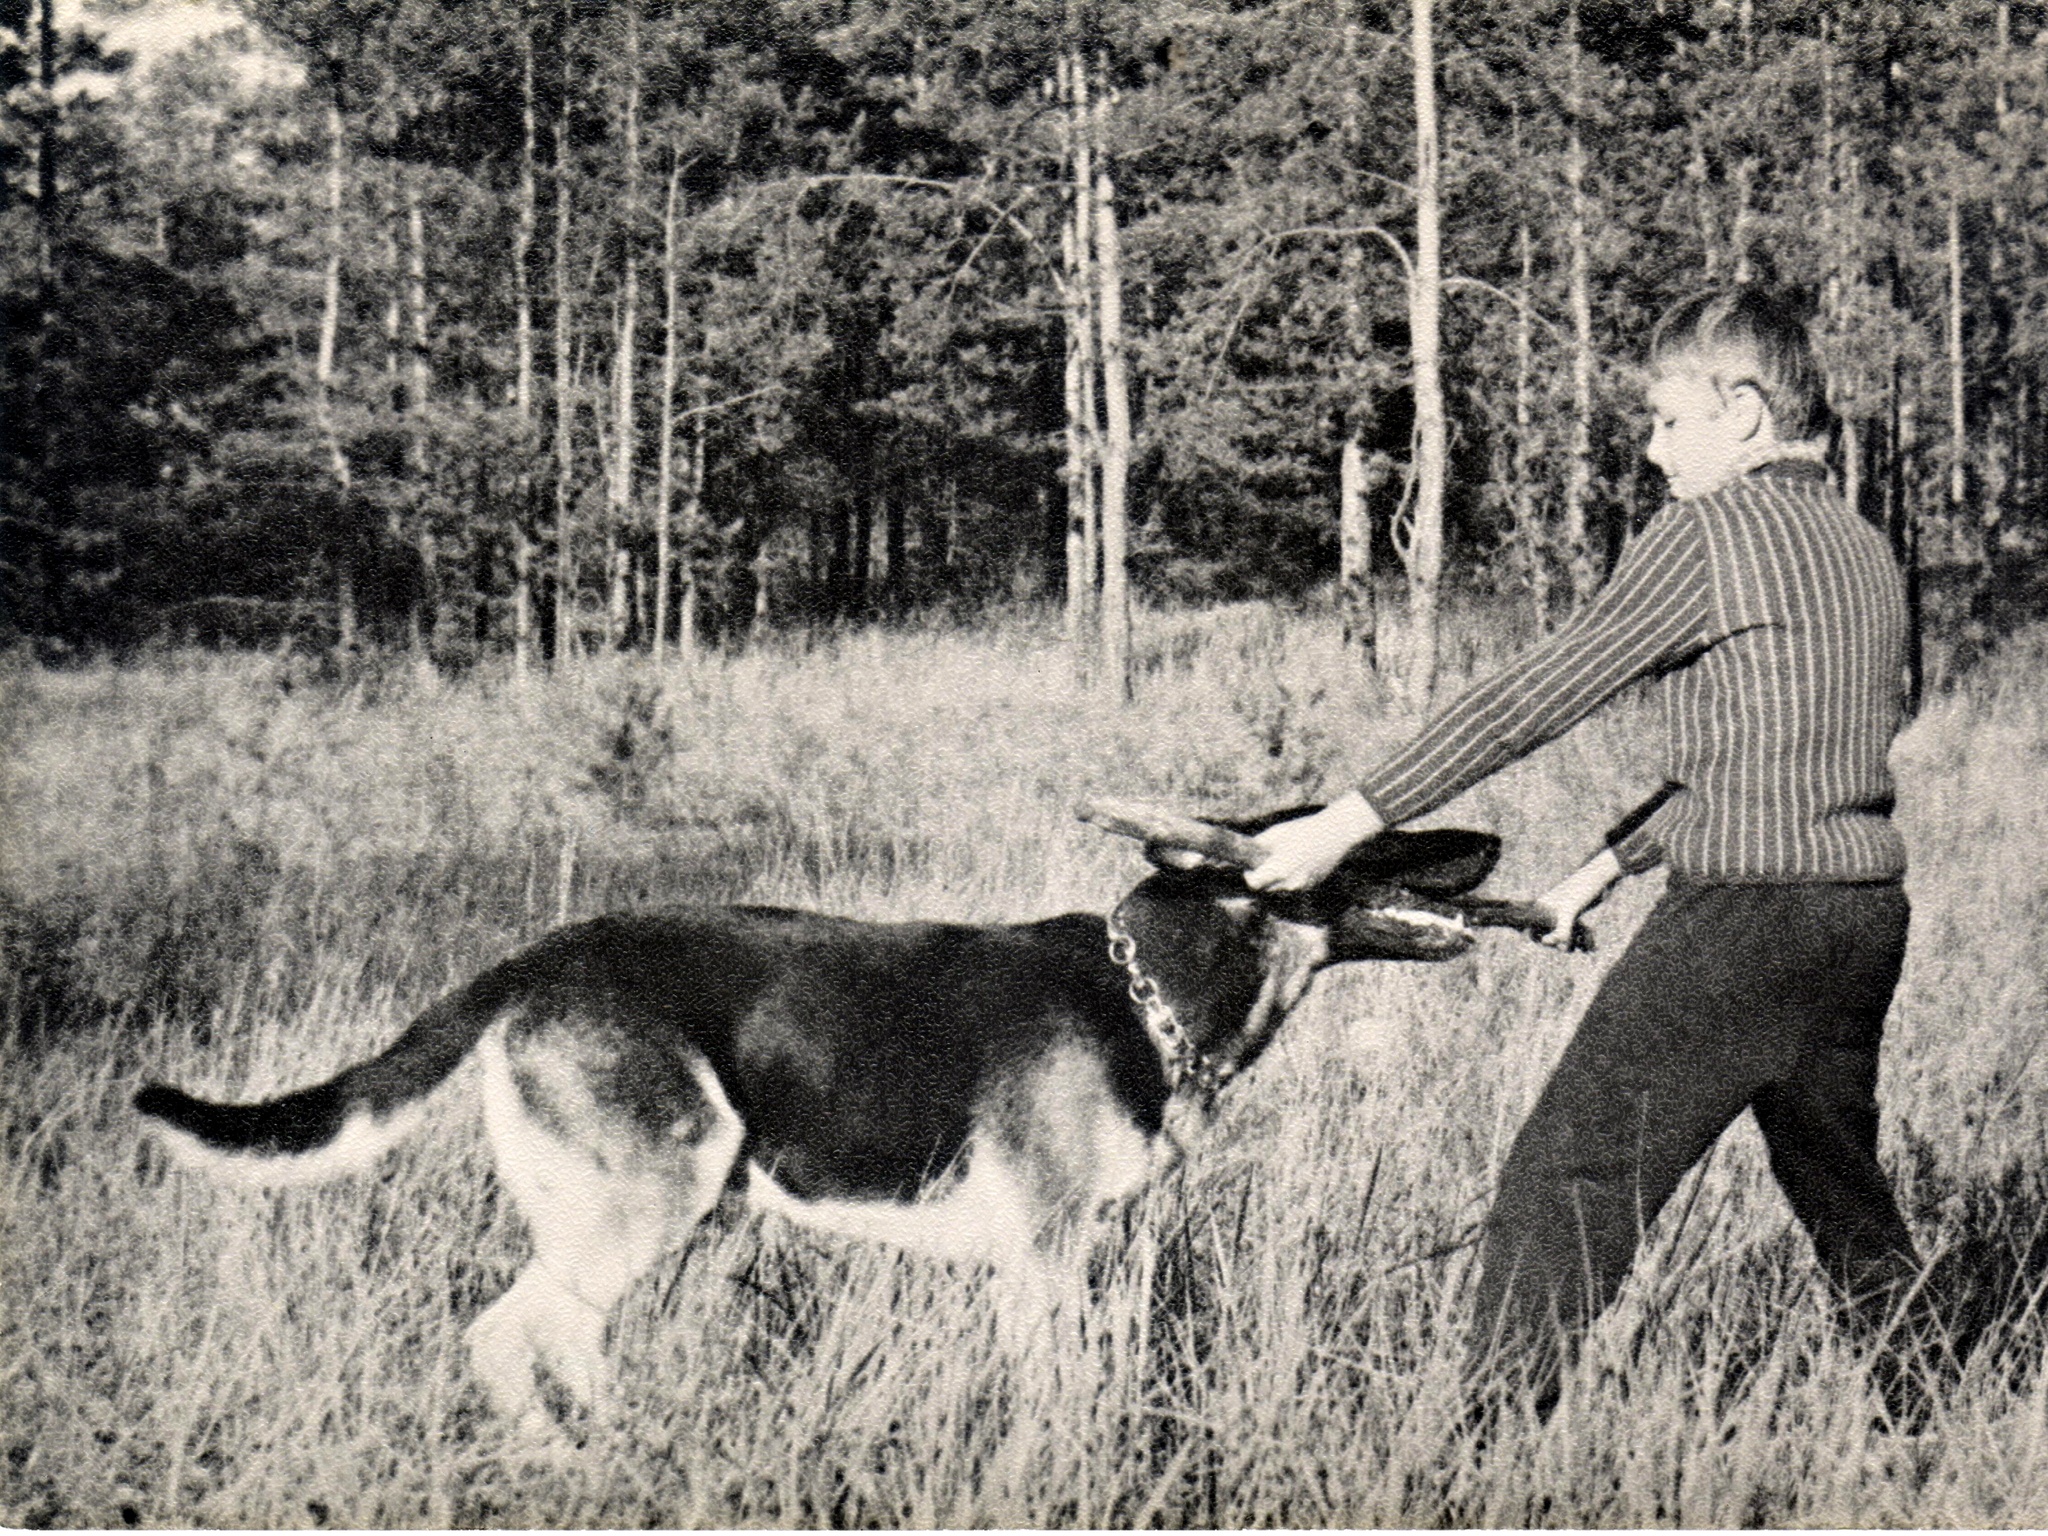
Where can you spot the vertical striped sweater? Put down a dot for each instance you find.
(1773, 621)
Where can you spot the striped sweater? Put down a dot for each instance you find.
(1773, 621)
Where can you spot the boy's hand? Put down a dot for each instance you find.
(1302, 852)
(1577, 894)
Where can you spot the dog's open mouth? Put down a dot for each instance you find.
(1399, 925)
(1403, 896)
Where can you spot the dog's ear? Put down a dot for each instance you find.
(1446, 861)
(1443, 862)
(1255, 824)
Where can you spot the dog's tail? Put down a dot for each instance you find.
(355, 1117)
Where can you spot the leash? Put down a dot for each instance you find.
(1191, 1075)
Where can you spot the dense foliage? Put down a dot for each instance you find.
(417, 316)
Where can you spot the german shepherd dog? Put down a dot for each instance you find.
(971, 1091)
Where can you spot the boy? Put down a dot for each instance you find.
(1773, 619)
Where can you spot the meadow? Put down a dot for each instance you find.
(227, 872)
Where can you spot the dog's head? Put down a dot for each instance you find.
(1233, 963)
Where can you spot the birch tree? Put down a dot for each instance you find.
(1080, 377)
(1116, 434)
(1422, 543)
(567, 625)
(1097, 383)
(1355, 467)
(619, 483)
(1584, 569)
(525, 228)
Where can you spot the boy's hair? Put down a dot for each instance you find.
(1741, 336)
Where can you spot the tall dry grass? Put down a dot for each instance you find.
(223, 874)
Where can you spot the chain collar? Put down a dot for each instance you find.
(1189, 1072)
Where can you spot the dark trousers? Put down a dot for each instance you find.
(1766, 998)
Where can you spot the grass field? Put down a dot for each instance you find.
(223, 873)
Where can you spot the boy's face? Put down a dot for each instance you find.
(1702, 435)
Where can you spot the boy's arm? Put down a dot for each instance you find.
(1576, 894)
(1654, 613)
(1632, 847)
(1637, 840)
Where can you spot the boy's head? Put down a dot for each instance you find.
(1733, 384)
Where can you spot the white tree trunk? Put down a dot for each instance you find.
(419, 380)
(419, 374)
(1357, 619)
(48, 216)
(666, 408)
(2003, 428)
(1702, 202)
(1354, 545)
(1958, 479)
(522, 349)
(324, 361)
(1522, 493)
(671, 331)
(1745, 168)
(1424, 550)
(1077, 250)
(1116, 444)
(625, 442)
(1834, 296)
(567, 638)
(693, 516)
(1578, 488)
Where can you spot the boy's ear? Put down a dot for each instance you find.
(1752, 414)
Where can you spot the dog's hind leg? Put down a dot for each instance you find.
(604, 1193)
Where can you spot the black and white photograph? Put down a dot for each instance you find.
(1034, 764)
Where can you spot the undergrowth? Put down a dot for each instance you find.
(222, 874)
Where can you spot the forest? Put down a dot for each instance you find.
(535, 327)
